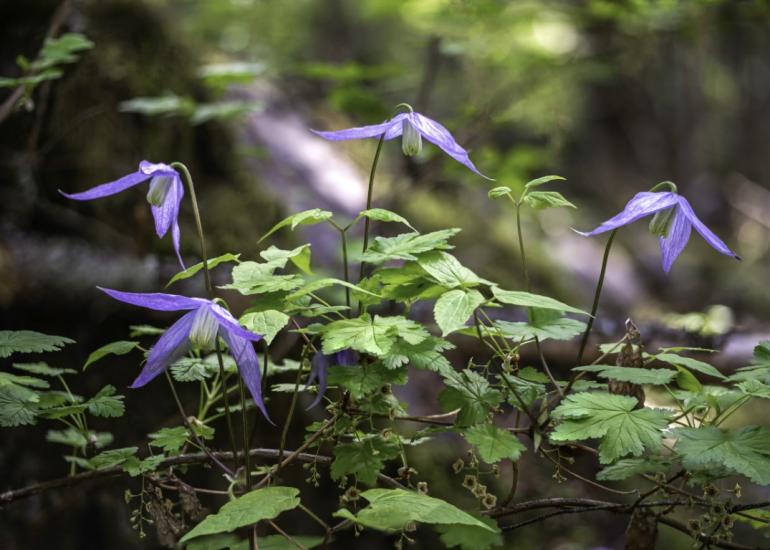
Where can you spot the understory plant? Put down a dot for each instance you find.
(652, 422)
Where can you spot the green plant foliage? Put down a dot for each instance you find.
(408, 245)
(447, 271)
(210, 264)
(27, 341)
(658, 377)
(540, 200)
(494, 444)
(363, 459)
(629, 467)
(106, 403)
(392, 509)
(527, 299)
(612, 419)
(471, 393)
(382, 215)
(115, 348)
(453, 309)
(745, 451)
(307, 217)
(470, 537)
(689, 363)
(42, 369)
(299, 256)
(248, 509)
(267, 323)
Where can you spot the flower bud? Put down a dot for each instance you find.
(661, 222)
(159, 186)
(203, 332)
(411, 140)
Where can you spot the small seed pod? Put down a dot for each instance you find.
(489, 501)
(480, 490)
(458, 465)
(422, 487)
(470, 482)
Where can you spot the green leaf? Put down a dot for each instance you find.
(540, 200)
(115, 348)
(527, 299)
(190, 369)
(382, 215)
(689, 363)
(211, 264)
(27, 341)
(612, 419)
(307, 217)
(453, 309)
(494, 444)
(498, 192)
(365, 379)
(561, 328)
(168, 104)
(423, 355)
(628, 467)
(299, 256)
(8, 379)
(447, 270)
(267, 323)
(270, 542)
(113, 457)
(754, 388)
(323, 283)
(69, 437)
(541, 180)
(258, 278)
(373, 336)
(407, 245)
(469, 537)
(391, 510)
(106, 403)
(362, 459)
(134, 467)
(43, 369)
(17, 406)
(471, 393)
(745, 450)
(171, 440)
(658, 377)
(248, 509)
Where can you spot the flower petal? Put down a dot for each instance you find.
(715, 242)
(643, 204)
(248, 365)
(107, 189)
(440, 136)
(157, 169)
(169, 348)
(319, 367)
(675, 240)
(227, 321)
(168, 212)
(362, 132)
(346, 358)
(157, 301)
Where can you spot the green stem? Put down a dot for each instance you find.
(346, 273)
(597, 295)
(367, 221)
(210, 290)
(245, 434)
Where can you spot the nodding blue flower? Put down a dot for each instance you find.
(165, 196)
(412, 127)
(673, 220)
(200, 327)
(319, 367)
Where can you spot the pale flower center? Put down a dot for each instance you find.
(203, 332)
(159, 186)
(411, 140)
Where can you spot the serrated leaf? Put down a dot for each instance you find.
(43, 369)
(527, 299)
(745, 450)
(113, 457)
(453, 309)
(373, 336)
(365, 379)
(258, 278)
(115, 348)
(8, 379)
(270, 542)
(382, 215)
(106, 403)
(754, 388)
(540, 200)
(134, 467)
(27, 341)
(267, 323)
(447, 270)
(407, 245)
(658, 377)
(190, 369)
(211, 264)
(171, 440)
(562, 328)
(494, 444)
(612, 419)
(248, 509)
(17, 406)
(299, 256)
(498, 192)
(318, 284)
(306, 217)
(689, 363)
(628, 467)
(390, 510)
(471, 393)
(70, 437)
(362, 459)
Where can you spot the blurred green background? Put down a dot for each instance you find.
(613, 95)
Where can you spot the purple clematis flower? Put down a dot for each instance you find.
(200, 327)
(672, 223)
(412, 127)
(165, 196)
(319, 367)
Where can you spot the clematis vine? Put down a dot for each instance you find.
(165, 196)
(319, 367)
(672, 222)
(412, 127)
(200, 327)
